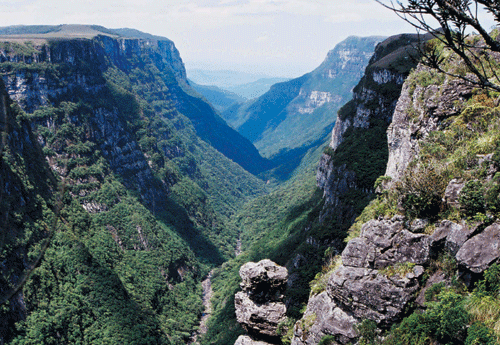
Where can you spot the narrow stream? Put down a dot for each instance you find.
(206, 285)
(207, 295)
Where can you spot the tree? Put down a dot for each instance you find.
(455, 19)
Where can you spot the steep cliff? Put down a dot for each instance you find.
(423, 262)
(146, 195)
(294, 116)
(359, 133)
(28, 203)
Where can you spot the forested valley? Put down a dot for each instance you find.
(132, 208)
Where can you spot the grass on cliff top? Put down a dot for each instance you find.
(50, 32)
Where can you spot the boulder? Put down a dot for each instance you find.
(259, 306)
(368, 294)
(264, 281)
(451, 235)
(246, 340)
(324, 317)
(418, 225)
(479, 252)
(259, 319)
(384, 243)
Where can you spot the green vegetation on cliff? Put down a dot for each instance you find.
(145, 201)
(460, 149)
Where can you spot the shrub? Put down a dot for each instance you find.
(479, 334)
(367, 331)
(400, 269)
(492, 195)
(432, 292)
(471, 198)
(421, 191)
(327, 340)
(484, 304)
(444, 320)
(285, 330)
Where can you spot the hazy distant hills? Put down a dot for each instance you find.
(256, 88)
(221, 99)
(247, 85)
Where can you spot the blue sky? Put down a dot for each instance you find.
(274, 37)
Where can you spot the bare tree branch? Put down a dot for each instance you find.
(455, 19)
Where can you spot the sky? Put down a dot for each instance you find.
(281, 38)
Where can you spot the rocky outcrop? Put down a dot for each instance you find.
(370, 294)
(451, 236)
(479, 252)
(372, 106)
(259, 306)
(263, 281)
(385, 243)
(323, 317)
(246, 340)
(452, 192)
(381, 272)
(419, 111)
(362, 288)
(378, 277)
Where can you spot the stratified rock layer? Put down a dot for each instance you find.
(258, 307)
(360, 289)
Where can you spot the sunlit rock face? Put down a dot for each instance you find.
(373, 103)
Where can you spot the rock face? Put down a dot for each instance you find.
(361, 289)
(385, 243)
(106, 116)
(452, 192)
(371, 295)
(479, 252)
(419, 111)
(263, 281)
(380, 274)
(372, 106)
(27, 187)
(258, 307)
(451, 235)
(323, 317)
(246, 340)
(33, 90)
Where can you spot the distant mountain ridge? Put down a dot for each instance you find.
(221, 99)
(296, 115)
(256, 88)
(74, 30)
